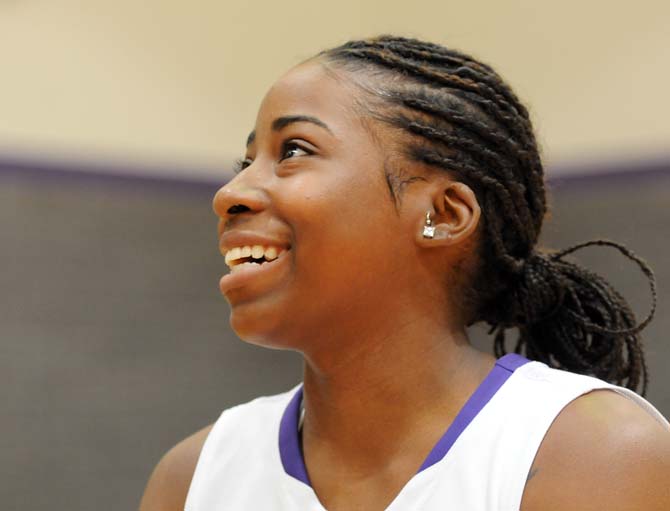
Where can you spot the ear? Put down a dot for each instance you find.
(455, 218)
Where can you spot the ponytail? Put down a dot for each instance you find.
(571, 318)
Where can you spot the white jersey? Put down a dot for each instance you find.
(252, 459)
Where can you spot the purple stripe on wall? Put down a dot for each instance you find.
(597, 173)
(44, 170)
(560, 177)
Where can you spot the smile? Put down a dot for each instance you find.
(256, 254)
(243, 273)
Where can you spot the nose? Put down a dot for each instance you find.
(238, 196)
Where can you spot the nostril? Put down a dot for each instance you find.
(237, 208)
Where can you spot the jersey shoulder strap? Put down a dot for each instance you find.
(243, 439)
(523, 412)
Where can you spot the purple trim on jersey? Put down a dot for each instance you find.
(511, 362)
(501, 371)
(290, 450)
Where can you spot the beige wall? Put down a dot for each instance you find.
(179, 82)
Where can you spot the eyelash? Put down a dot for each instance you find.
(239, 165)
(243, 163)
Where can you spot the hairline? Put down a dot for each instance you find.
(370, 120)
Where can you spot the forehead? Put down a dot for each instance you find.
(309, 90)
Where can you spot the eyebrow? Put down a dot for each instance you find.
(281, 122)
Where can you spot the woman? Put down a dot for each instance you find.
(391, 195)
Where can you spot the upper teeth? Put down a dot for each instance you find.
(255, 251)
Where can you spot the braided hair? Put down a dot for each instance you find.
(458, 115)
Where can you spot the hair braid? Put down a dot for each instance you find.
(495, 141)
(466, 69)
(484, 96)
(482, 155)
(476, 175)
(461, 116)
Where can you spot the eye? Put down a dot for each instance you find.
(241, 164)
(291, 149)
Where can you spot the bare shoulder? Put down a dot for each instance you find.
(603, 451)
(169, 483)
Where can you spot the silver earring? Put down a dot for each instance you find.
(429, 228)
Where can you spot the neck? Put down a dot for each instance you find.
(388, 393)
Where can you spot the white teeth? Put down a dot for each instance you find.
(233, 254)
(242, 265)
(256, 251)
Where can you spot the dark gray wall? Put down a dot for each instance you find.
(115, 340)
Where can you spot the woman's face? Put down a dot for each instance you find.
(314, 181)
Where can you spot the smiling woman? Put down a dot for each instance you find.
(392, 195)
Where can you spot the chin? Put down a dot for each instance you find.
(259, 329)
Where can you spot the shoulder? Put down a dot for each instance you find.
(238, 426)
(603, 451)
(169, 483)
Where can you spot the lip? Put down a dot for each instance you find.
(254, 273)
(232, 239)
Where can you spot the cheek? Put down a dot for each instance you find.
(341, 238)
(342, 210)
(338, 198)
